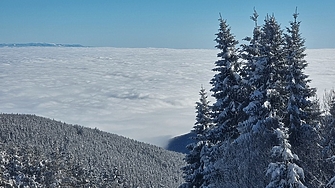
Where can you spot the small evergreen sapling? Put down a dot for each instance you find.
(193, 172)
(284, 172)
(203, 117)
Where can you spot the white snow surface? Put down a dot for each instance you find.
(147, 94)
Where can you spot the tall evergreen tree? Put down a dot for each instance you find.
(301, 116)
(193, 172)
(226, 87)
(264, 78)
(229, 99)
(273, 56)
(298, 90)
(251, 52)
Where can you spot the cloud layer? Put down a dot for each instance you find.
(146, 94)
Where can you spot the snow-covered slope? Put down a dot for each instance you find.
(97, 153)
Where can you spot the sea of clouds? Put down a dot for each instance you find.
(147, 94)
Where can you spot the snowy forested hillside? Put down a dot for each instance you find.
(41, 152)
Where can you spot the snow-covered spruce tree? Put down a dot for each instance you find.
(226, 87)
(251, 52)
(263, 75)
(203, 117)
(251, 55)
(227, 108)
(284, 172)
(193, 172)
(301, 116)
(272, 54)
(298, 90)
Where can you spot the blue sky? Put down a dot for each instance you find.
(155, 23)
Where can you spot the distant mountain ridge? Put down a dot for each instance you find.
(179, 143)
(40, 152)
(39, 45)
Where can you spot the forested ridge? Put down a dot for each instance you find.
(40, 152)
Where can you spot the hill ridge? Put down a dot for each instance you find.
(139, 164)
(39, 44)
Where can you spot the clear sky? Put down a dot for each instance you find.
(155, 23)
